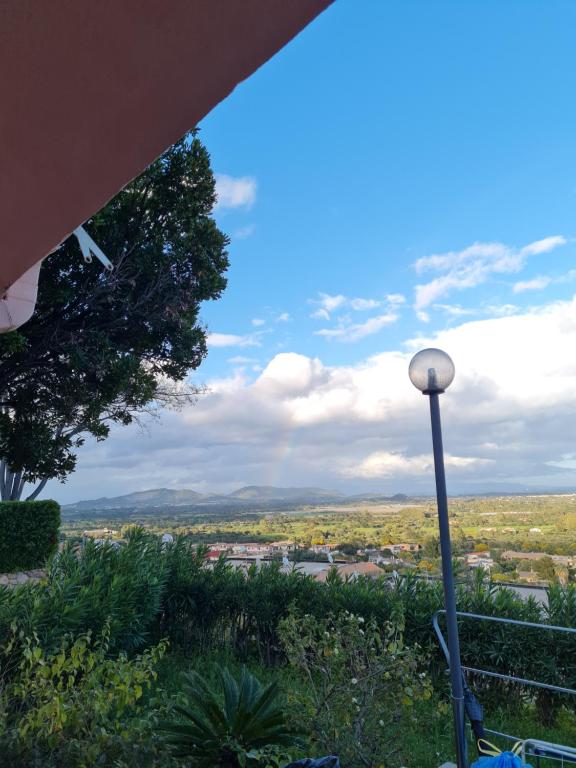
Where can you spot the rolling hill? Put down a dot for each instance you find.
(165, 497)
(154, 498)
(271, 493)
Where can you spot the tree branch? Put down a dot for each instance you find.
(21, 487)
(15, 486)
(8, 486)
(39, 488)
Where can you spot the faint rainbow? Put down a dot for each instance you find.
(283, 449)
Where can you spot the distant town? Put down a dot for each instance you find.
(524, 540)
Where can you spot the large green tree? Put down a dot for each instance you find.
(104, 347)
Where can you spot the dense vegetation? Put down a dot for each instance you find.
(29, 533)
(87, 679)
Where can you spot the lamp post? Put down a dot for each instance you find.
(432, 371)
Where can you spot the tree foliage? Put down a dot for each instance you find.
(104, 347)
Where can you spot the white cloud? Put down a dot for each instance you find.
(395, 298)
(501, 310)
(387, 464)
(543, 246)
(345, 329)
(543, 281)
(509, 420)
(536, 284)
(356, 331)
(494, 252)
(283, 318)
(474, 265)
(454, 310)
(291, 374)
(229, 385)
(329, 303)
(257, 321)
(241, 360)
(361, 305)
(232, 340)
(235, 192)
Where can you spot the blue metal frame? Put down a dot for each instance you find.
(456, 682)
(538, 748)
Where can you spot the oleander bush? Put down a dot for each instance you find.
(28, 534)
(87, 589)
(144, 591)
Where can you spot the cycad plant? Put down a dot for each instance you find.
(224, 731)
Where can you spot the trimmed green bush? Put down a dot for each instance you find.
(28, 533)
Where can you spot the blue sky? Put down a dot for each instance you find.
(402, 174)
(385, 133)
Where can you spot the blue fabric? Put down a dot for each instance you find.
(503, 760)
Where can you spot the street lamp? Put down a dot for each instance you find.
(432, 371)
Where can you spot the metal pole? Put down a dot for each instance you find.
(448, 582)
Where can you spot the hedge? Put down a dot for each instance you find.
(28, 533)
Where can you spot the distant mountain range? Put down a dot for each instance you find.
(270, 493)
(250, 494)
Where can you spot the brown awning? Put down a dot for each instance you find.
(92, 91)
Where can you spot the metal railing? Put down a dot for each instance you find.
(530, 747)
(539, 748)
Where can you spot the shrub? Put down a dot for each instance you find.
(74, 705)
(28, 533)
(148, 591)
(243, 727)
(83, 591)
(360, 681)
